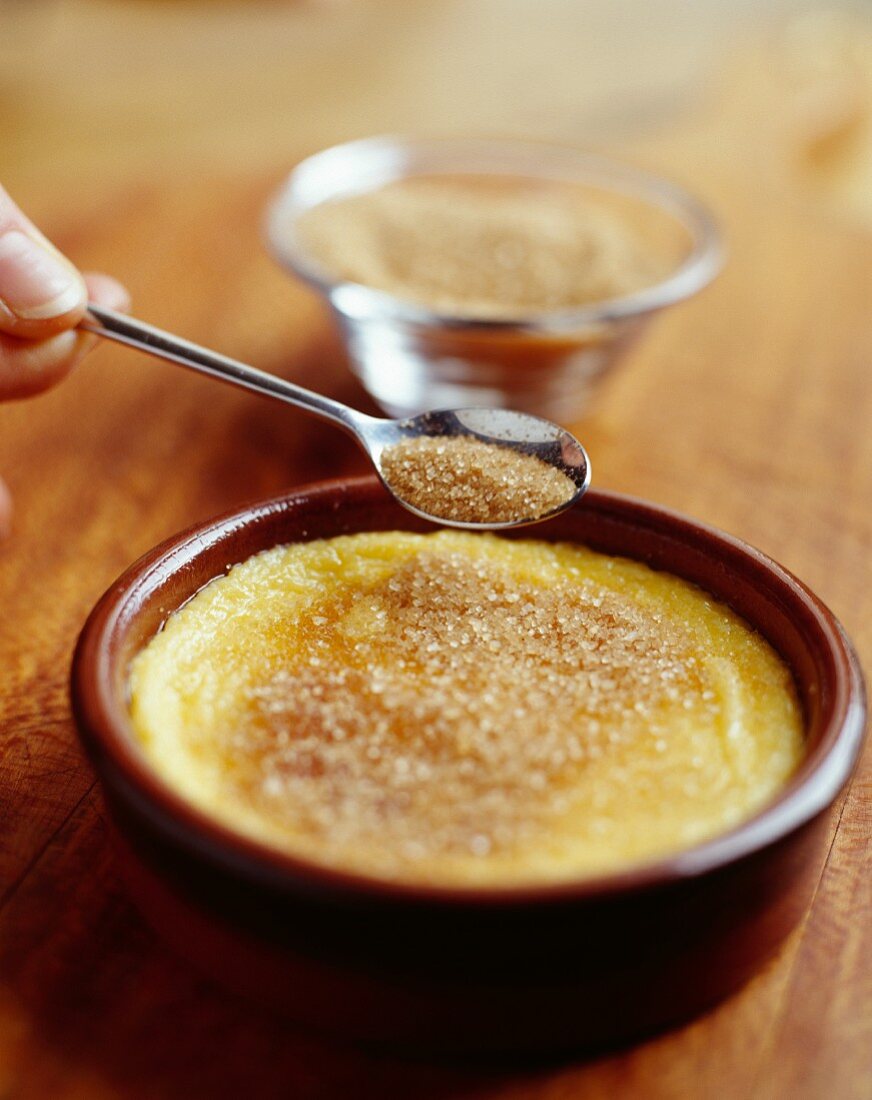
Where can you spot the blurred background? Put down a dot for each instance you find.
(96, 92)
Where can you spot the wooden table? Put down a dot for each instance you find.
(749, 407)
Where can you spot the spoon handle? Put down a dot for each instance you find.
(137, 334)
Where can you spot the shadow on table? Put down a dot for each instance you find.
(103, 1009)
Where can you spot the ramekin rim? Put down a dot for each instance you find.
(105, 730)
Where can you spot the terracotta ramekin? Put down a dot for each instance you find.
(521, 970)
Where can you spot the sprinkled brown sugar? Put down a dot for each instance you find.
(455, 708)
(463, 479)
(450, 709)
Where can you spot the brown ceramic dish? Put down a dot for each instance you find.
(517, 970)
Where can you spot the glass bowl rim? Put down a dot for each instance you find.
(383, 157)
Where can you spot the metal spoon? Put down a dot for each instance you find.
(520, 432)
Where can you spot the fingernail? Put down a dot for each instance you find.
(36, 283)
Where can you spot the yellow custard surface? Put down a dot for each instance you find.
(460, 709)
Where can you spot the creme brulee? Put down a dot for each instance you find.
(456, 709)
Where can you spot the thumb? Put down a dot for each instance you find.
(41, 293)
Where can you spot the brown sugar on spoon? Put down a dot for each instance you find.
(463, 480)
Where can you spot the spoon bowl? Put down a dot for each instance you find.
(520, 433)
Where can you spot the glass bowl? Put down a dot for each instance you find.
(411, 358)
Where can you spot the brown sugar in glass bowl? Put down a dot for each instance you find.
(500, 969)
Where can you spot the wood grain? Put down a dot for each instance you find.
(748, 407)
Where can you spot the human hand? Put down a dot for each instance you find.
(42, 299)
